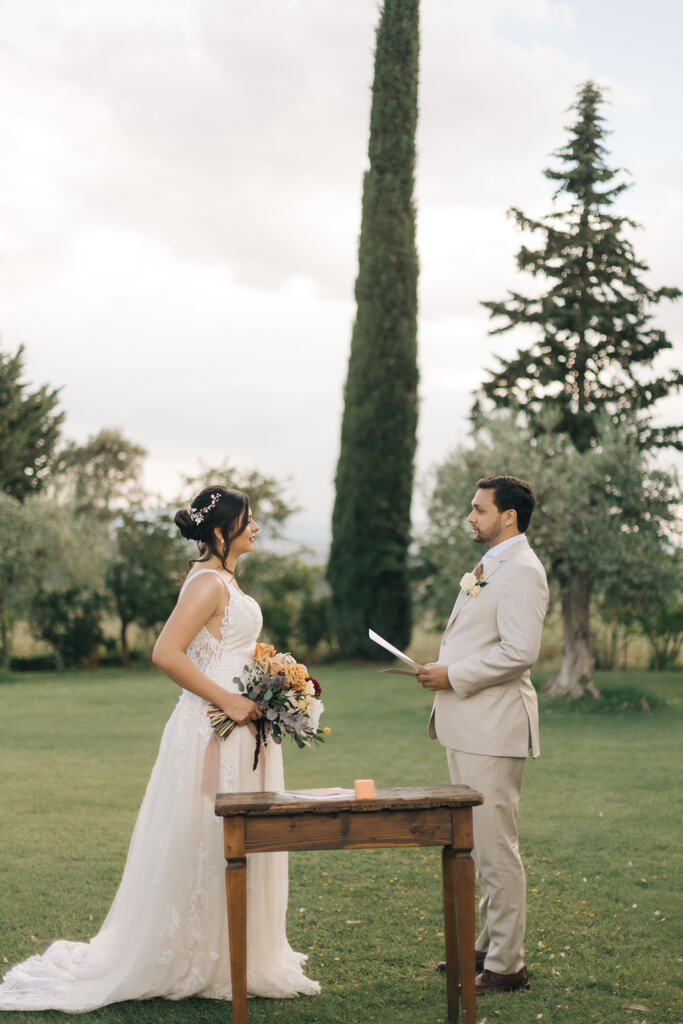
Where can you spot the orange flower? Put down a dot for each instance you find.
(264, 652)
(296, 675)
(282, 665)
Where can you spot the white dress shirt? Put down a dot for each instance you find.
(498, 549)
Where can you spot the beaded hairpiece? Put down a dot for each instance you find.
(198, 515)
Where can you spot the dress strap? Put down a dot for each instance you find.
(200, 572)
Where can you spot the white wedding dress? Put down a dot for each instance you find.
(166, 933)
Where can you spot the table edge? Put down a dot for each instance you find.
(406, 799)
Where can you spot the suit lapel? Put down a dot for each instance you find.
(492, 568)
(459, 602)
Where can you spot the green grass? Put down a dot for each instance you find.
(599, 831)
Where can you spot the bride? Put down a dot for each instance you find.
(166, 933)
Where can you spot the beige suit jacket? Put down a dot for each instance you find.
(490, 644)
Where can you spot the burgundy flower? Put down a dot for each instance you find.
(316, 685)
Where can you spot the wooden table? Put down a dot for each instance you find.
(306, 820)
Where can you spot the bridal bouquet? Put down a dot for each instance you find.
(288, 697)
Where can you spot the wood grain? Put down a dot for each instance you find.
(348, 831)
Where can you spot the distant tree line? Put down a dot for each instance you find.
(83, 546)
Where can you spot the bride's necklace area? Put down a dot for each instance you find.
(230, 573)
(224, 572)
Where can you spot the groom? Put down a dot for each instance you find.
(486, 714)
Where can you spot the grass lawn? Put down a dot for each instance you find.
(600, 835)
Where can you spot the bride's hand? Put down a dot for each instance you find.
(240, 709)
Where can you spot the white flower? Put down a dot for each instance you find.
(472, 582)
(468, 581)
(315, 713)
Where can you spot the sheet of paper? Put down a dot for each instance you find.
(333, 793)
(397, 672)
(377, 639)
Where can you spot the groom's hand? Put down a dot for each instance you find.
(433, 677)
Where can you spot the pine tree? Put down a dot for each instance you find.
(595, 342)
(29, 429)
(594, 325)
(367, 568)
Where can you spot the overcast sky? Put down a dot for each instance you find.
(180, 185)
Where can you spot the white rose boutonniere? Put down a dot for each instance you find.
(468, 581)
(472, 582)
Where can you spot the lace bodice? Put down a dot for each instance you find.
(241, 625)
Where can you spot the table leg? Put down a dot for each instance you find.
(448, 856)
(236, 895)
(463, 872)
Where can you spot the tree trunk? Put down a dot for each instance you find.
(125, 650)
(606, 649)
(5, 638)
(575, 678)
(624, 649)
(665, 650)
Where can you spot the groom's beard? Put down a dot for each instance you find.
(490, 538)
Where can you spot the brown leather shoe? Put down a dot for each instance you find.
(489, 981)
(479, 958)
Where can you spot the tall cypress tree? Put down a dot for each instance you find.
(367, 568)
(593, 321)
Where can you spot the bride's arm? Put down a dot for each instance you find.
(201, 600)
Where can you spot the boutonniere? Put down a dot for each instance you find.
(472, 582)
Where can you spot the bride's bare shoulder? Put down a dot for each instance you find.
(199, 584)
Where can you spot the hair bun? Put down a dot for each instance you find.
(188, 529)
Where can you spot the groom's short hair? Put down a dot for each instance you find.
(511, 492)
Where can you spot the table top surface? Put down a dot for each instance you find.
(330, 801)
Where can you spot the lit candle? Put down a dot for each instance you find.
(364, 789)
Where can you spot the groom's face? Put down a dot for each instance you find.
(485, 519)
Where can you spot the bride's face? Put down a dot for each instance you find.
(244, 543)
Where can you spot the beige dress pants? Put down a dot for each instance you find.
(500, 874)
